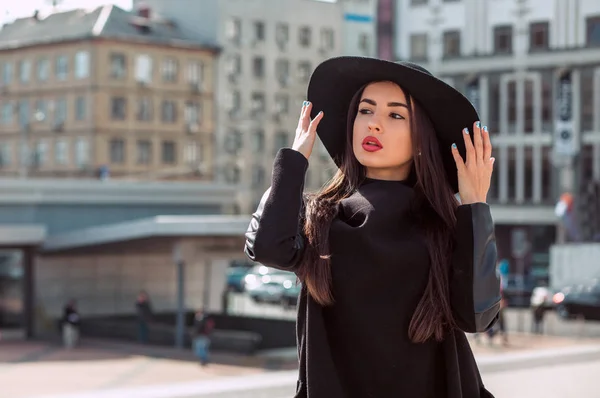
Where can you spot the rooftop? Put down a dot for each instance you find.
(108, 22)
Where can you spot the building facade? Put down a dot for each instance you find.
(532, 68)
(269, 50)
(86, 92)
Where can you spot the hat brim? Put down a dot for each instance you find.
(335, 81)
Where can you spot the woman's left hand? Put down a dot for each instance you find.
(474, 175)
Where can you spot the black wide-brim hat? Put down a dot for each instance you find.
(335, 81)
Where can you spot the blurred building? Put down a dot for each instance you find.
(532, 68)
(269, 50)
(104, 91)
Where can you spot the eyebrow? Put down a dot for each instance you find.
(370, 101)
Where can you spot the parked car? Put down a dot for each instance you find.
(579, 300)
(265, 284)
(235, 277)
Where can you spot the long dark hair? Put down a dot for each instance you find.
(435, 205)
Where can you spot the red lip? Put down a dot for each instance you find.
(371, 144)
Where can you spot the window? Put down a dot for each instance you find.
(117, 150)
(25, 71)
(169, 71)
(258, 67)
(593, 31)
(327, 42)
(282, 34)
(61, 151)
(304, 36)
(234, 64)
(144, 152)
(418, 46)
(503, 39)
(143, 69)
(282, 103)
(538, 36)
(60, 110)
(169, 111)
(82, 152)
(304, 70)
(258, 141)
(192, 153)
(232, 174)
(118, 108)
(7, 114)
(192, 113)
(258, 176)
(258, 102)
(7, 73)
(452, 44)
(169, 155)
(80, 108)
(195, 72)
(5, 154)
(24, 114)
(41, 110)
(282, 70)
(144, 111)
(233, 30)
(259, 31)
(82, 64)
(118, 66)
(418, 2)
(43, 70)
(586, 95)
(62, 67)
(235, 99)
(281, 141)
(233, 142)
(41, 152)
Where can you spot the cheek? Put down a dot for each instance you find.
(403, 142)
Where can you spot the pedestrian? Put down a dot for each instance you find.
(394, 270)
(70, 324)
(144, 316)
(204, 326)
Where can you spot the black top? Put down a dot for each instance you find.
(359, 347)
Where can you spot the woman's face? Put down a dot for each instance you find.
(381, 137)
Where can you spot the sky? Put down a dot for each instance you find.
(12, 9)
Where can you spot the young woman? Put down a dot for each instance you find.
(393, 269)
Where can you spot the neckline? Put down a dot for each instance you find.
(406, 182)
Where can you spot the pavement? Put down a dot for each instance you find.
(107, 369)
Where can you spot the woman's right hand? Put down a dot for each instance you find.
(306, 131)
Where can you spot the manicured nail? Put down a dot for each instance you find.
(466, 130)
(485, 129)
(454, 146)
(478, 124)
(492, 160)
(305, 103)
(320, 113)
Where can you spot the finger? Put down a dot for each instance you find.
(460, 164)
(469, 146)
(306, 117)
(312, 128)
(478, 141)
(487, 144)
(302, 115)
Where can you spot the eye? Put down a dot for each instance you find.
(365, 111)
(396, 116)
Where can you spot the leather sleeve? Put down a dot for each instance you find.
(274, 237)
(474, 282)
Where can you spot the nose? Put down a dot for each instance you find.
(374, 126)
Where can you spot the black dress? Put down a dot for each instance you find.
(359, 346)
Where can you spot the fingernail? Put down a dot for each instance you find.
(466, 130)
(478, 124)
(493, 160)
(320, 113)
(454, 146)
(305, 103)
(485, 129)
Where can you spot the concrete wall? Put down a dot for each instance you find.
(105, 284)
